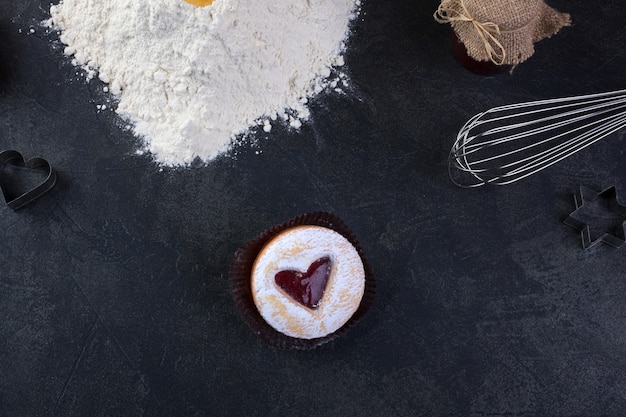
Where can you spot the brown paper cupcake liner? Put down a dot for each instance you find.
(241, 269)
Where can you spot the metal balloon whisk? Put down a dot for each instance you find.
(507, 143)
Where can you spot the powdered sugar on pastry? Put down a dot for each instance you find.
(297, 249)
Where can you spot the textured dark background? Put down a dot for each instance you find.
(114, 297)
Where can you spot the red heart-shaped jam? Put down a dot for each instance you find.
(308, 287)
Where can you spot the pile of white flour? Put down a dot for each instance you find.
(190, 79)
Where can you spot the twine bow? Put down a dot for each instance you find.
(486, 30)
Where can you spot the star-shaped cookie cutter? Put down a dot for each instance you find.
(616, 237)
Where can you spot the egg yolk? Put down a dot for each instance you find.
(199, 3)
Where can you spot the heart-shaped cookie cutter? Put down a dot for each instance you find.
(15, 158)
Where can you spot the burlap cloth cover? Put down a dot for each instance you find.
(501, 31)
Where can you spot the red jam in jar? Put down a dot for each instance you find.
(478, 67)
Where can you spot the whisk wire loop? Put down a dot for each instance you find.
(507, 143)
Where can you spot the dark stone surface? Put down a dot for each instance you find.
(114, 298)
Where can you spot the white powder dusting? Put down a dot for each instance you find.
(297, 249)
(190, 79)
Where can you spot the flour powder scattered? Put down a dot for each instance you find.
(190, 79)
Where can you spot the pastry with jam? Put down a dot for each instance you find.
(302, 283)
